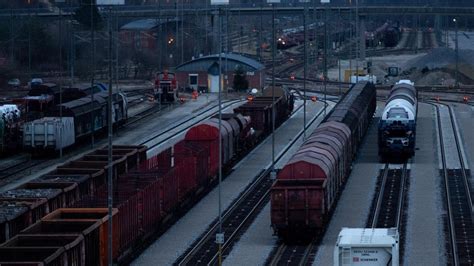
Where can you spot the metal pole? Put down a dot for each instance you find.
(457, 54)
(72, 53)
(273, 173)
(182, 32)
(60, 87)
(305, 69)
(339, 77)
(357, 40)
(12, 38)
(177, 33)
(220, 136)
(92, 75)
(109, 173)
(350, 40)
(117, 45)
(29, 42)
(325, 75)
(260, 38)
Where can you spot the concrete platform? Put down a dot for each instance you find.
(181, 235)
(424, 243)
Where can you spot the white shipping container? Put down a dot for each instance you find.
(367, 246)
(49, 133)
(370, 78)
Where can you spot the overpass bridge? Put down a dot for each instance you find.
(150, 11)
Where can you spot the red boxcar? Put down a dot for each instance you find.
(310, 183)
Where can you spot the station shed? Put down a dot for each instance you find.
(203, 73)
(146, 34)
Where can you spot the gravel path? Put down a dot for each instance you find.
(424, 243)
(353, 206)
(452, 157)
(465, 118)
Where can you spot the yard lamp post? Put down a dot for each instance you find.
(457, 54)
(110, 107)
(305, 74)
(273, 3)
(220, 234)
(325, 72)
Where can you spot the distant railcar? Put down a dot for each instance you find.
(165, 87)
(87, 116)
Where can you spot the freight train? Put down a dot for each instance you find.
(308, 186)
(43, 97)
(397, 126)
(41, 100)
(69, 122)
(148, 193)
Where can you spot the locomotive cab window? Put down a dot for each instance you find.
(397, 113)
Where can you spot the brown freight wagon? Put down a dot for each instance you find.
(72, 244)
(89, 229)
(92, 214)
(18, 214)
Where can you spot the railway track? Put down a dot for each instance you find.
(458, 198)
(298, 254)
(237, 218)
(387, 209)
(22, 166)
(390, 203)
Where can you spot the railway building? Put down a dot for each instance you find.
(203, 73)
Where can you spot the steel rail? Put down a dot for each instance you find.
(378, 206)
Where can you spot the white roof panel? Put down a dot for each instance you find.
(367, 237)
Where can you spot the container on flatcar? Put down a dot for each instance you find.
(49, 133)
(367, 246)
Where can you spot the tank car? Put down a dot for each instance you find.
(397, 126)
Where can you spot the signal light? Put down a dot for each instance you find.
(465, 99)
(314, 98)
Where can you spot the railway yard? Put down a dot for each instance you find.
(341, 160)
